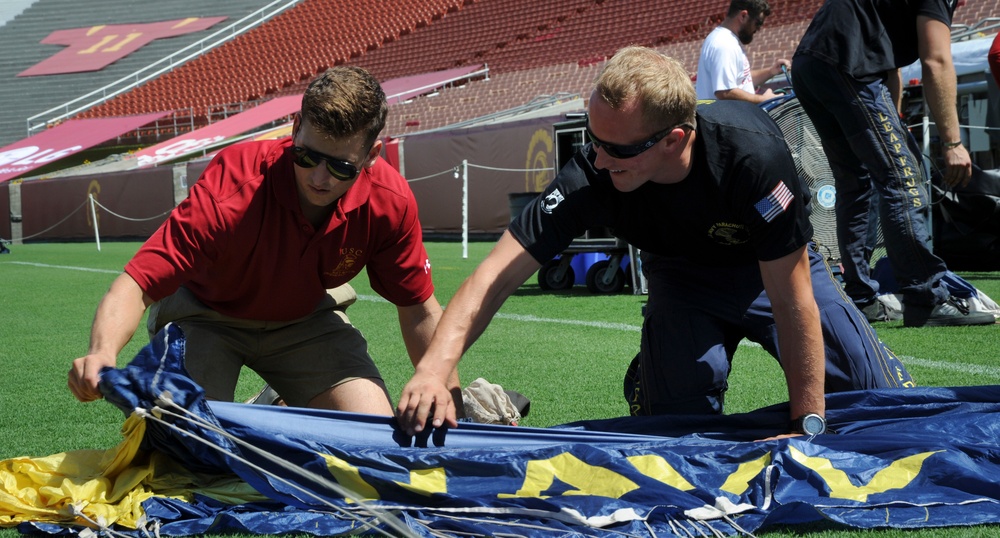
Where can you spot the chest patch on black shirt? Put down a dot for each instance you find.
(728, 233)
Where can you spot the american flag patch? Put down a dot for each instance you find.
(775, 203)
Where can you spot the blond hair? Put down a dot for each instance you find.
(655, 82)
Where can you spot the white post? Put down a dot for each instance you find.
(465, 209)
(926, 162)
(926, 142)
(93, 217)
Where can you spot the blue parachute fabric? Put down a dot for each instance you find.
(157, 371)
(904, 458)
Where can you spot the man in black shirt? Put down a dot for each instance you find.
(846, 76)
(712, 196)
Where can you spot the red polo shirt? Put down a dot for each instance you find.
(241, 244)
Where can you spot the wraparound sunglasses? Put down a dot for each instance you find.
(307, 158)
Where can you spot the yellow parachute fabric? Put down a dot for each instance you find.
(103, 487)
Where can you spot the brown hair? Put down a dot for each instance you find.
(344, 101)
(660, 85)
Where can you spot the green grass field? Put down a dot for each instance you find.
(566, 351)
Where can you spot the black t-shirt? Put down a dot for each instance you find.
(866, 38)
(742, 201)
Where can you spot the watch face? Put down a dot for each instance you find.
(813, 425)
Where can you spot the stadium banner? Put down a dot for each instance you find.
(199, 140)
(210, 136)
(65, 139)
(903, 458)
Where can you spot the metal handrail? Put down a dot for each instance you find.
(960, 32)
(203, 45)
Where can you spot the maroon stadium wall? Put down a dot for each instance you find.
(5, 214)
(136, 203)
(507, 158)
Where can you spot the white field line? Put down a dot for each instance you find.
(926, 363)
(48, 266)
(976, 369)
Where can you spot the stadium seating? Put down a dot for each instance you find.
(531, 49)
(20, 40)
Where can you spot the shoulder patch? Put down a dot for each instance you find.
(775, 203)
(550, 202)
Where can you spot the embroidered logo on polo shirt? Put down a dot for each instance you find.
(550, 202)
(427, 266)
(727, 233)
(347, 262)
(775, 203)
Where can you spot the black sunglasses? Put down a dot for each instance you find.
(307, 158)
(617, 151)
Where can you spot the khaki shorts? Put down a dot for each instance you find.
(300, 359)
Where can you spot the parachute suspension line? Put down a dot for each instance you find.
(101, 525)
(380, 515)
(738, 528)
(184, 414)
(533, 526)
(145, 527)
(715, 532)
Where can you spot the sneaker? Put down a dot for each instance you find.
(953, 312)
(878, 311)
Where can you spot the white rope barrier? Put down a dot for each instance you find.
(441, 173)
(54, 226)
(510, 169)
(112, 213)
(465, 190)
(94, 204)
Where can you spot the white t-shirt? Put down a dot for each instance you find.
(723, 65)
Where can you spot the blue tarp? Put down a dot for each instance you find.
(903, 458)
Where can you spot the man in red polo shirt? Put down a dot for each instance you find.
(244, 264)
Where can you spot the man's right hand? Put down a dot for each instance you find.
(118, 315)
(85, 374)
(425, 398)
(958, 167)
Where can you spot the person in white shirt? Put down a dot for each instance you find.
(723, 68)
